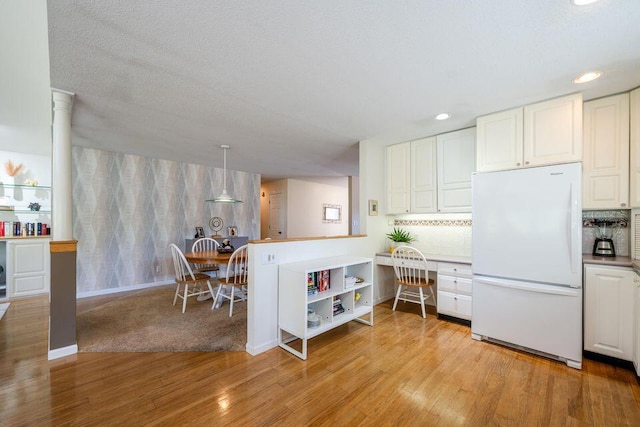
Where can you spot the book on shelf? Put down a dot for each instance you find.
(317, 281)
(323, 284)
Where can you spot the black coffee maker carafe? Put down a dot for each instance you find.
(603, 244)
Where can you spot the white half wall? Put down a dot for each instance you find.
(262, 307)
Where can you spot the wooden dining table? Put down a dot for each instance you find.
(207, 257)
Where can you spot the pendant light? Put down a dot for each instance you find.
(224, 197)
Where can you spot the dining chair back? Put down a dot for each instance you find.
(233, 286)
(205, 244)
(193, 283)
(412, 276)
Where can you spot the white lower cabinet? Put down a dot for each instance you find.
(318, 295)
(636, 324)
(609, 310)
(27, 269)
(454, 290)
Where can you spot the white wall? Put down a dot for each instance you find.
(305, 200)
(25, 92)
(34, 166)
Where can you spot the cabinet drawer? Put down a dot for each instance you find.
(450, 269)
(454, 305)
(454, 284)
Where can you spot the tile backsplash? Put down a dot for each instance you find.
(620, 230)
(439, 234)
(451, 234)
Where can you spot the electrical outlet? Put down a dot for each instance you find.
(158, 269)
(269, 258)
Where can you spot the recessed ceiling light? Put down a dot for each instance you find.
(583, 2)
(443, 116)
(587, 77)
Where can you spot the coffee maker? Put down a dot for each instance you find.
(603, 244)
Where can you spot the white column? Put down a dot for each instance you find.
(61, 206)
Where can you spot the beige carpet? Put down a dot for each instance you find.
(146, 321)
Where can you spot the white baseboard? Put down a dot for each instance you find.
(261, 348)
(123, 289)
(62, 352)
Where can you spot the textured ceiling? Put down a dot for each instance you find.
(292, 86)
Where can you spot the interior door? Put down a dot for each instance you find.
(277, 217)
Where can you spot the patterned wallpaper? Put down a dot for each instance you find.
(127, 209)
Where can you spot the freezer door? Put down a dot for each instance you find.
(527, 224)
(544, 318)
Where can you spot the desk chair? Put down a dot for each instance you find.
(233, 286)
(412, 275)
(186, 278)
(205, 244)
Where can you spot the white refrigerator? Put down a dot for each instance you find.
(527, 260)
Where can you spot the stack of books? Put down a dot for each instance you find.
(337, 306)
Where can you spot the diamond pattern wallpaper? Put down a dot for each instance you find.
(127, 209)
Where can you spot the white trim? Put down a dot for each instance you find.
(254, 351)
(123, 289)
(62, 352)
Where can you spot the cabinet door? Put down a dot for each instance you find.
(499, 141)
(636, 327)
(553, 131)
(453, 304)
(608, 311)
(398, 178)
(27, 267)
(423, 176)
(456, 162)
(605, 164)
(634, 131)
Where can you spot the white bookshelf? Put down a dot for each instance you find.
(294, 299)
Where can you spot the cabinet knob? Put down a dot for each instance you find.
(526, 163)
(623, 204)
(517, 164)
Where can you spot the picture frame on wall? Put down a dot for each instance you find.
(233, 231)
(199, 232)
(373, 207)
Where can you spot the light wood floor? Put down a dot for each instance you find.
(403, 371)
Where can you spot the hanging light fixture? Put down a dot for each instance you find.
(224, 197)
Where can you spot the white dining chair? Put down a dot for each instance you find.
(233, 286)
(412, 276)
(206, 244)
(193, 283)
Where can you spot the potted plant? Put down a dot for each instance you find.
(397, 237)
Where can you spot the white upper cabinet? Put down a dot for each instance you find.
(398, 178)
(634, 164)
(605, 167)
(499, 140)
(411, 177)
(553, 131)
(456, 162)
(545, 133)
(424, 193)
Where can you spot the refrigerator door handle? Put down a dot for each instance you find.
(528, 286)
(574, 227)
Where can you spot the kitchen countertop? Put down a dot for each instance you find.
(619, 261)
(438, 258)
